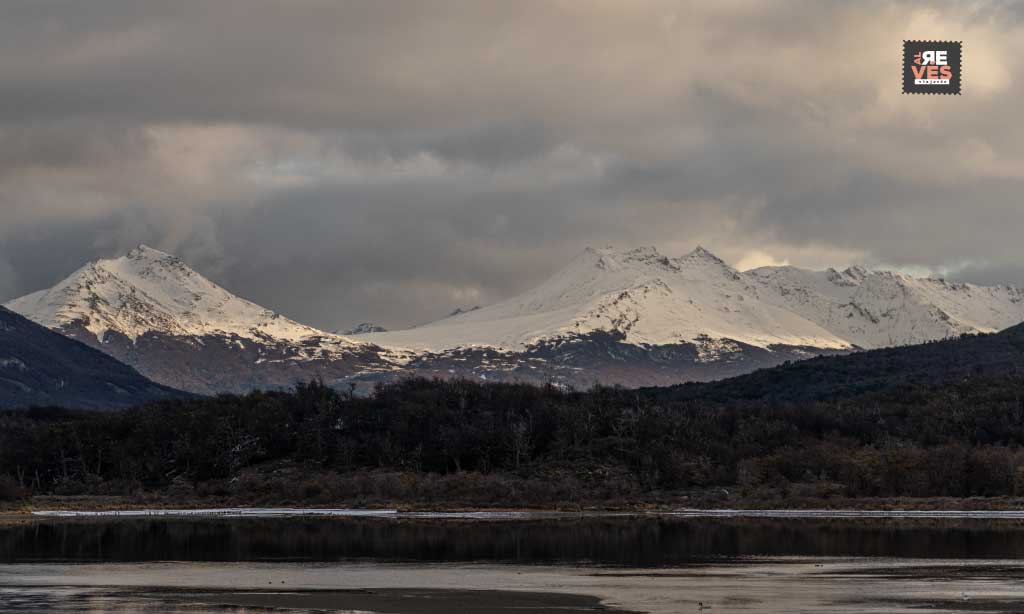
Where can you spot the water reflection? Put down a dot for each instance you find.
(56, 600)
(640, 542)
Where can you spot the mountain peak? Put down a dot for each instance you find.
(701, 254)
(364, 328)
(636, 252)
(150, 291)
(143, 252)
(642, 252)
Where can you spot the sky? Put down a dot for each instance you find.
(349, 161)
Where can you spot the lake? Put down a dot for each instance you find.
(520, 564)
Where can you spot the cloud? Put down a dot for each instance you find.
(387, 162)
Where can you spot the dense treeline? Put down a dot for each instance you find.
(957, 440)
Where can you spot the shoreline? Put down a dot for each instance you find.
(299, 512)
(959, 517)
(819, 584)
(699, 504)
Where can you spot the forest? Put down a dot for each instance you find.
(476, 443)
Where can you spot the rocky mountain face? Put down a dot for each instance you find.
(39, 367)
(365, 327)
(635, 318)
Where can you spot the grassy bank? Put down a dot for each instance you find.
(286, 485)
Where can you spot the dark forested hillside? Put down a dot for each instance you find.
(940, 419)
(527, 445)
(41, 367)
(836, 377)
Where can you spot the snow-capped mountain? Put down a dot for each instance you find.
(633, 317)
(655, 300)
(150, 291)
(152, 311)
(874, 309)
(638, 317)
(649, 298)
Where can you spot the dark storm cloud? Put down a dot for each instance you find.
(386, 161)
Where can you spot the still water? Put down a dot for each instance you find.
(412, 566)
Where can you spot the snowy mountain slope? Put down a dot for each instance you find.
(150, 310)
(880, 309)
(652, 299)
(634, 317)
(150, 291)
(698, 299)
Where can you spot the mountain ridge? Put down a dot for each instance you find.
(152, 311)
(148, 289)
(829, 378)
(634, 317)
(40, 367)
(658, 300)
